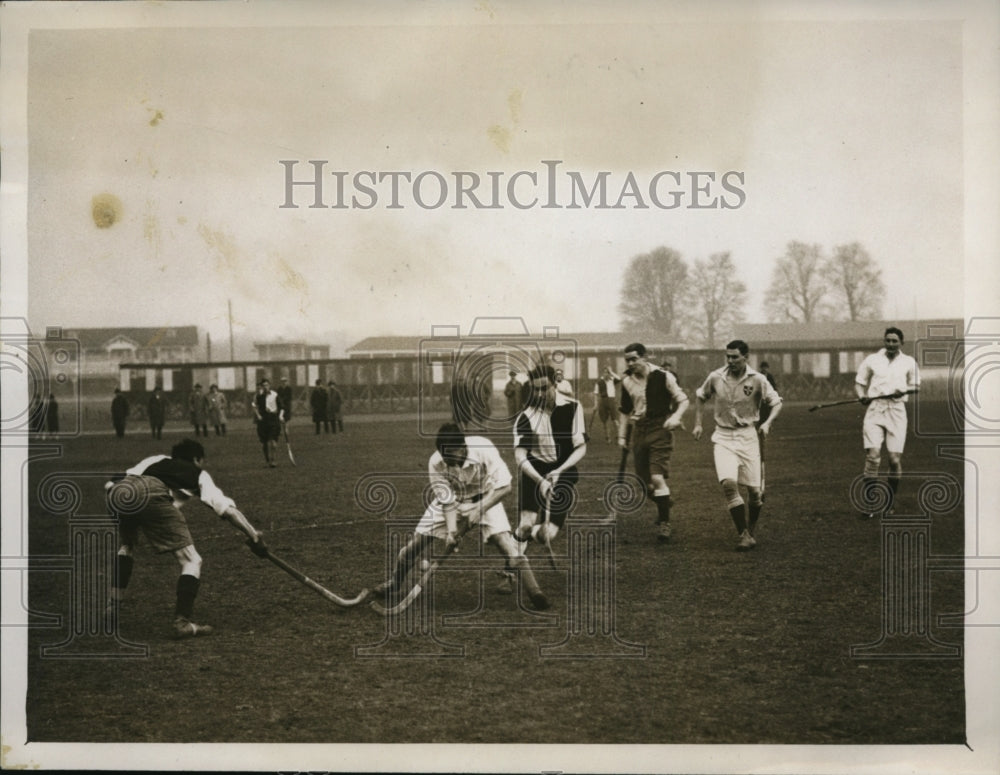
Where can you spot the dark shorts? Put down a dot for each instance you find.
(651, 448)
(268, 428)
(528, 498)
(144, 503)
(607, 408)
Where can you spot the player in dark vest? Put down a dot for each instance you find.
(147, 497)
(549, 440)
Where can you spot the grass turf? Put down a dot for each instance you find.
(737, 647)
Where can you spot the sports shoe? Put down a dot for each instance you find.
(663, 532)
(506, 585)
(539, 601)
(187, 629)
(746, 542)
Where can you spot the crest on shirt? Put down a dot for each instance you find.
(747, 390)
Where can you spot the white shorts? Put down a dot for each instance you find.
(885, 421)
(737, 455)
(494, 521)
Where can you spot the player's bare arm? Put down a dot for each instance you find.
(696, 431)
(676, 420)
(578, 453)
(765, 427)
(622, 430)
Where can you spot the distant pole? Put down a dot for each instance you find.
(232, 357)
(208, 347)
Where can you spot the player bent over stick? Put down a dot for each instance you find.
(739, 393)
(148, 497)
(470, 480)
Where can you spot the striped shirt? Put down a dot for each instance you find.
(551, 437)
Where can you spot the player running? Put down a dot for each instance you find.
(148, 497)
(887, 372)
(655, 403)
(739, 393)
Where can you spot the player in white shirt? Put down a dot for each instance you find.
(739, 393)
(469, 481)
(887, 372)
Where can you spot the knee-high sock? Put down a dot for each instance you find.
(739, 517)
(662, 507)
(187, 591)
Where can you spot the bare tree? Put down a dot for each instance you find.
(798, 288)
(653, 292)
(718, 298)
(856, 280)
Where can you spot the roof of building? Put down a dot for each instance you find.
(860, 334)
(851, 333)
(164, 336)
(590, 341)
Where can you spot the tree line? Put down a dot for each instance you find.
(705, 302)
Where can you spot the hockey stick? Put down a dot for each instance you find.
(417, 588)
(299, 576)
(858, 400)
(288, 444)
(548, 518)
(762, 441)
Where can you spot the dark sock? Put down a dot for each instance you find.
(893, 487)
(754, 516)
(123, 570)
(187, 591)
(739, 517)
(662, 508)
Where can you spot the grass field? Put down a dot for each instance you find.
(732, 647)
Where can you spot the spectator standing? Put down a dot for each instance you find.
(319, 401)
(157, 411)
(512, 393)
(198, 410)
(217, 404)
(334, 406)
(119, 412)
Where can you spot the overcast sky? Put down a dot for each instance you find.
(840, 132)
